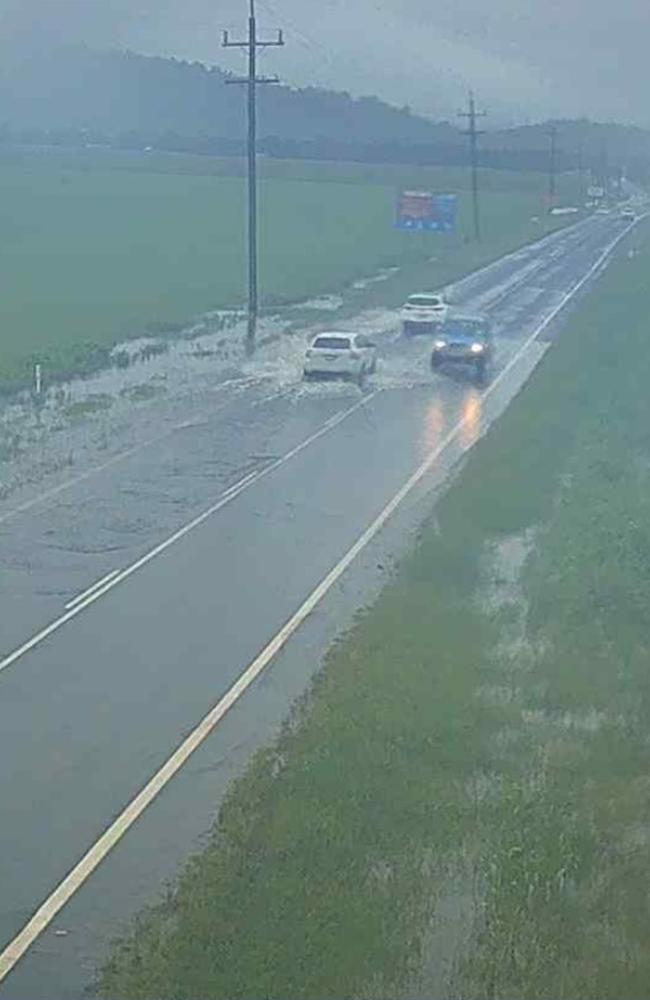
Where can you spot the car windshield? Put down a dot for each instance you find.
(332, 343)
(424, 300)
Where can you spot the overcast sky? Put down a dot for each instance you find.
(526, 59)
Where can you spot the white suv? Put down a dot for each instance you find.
(344, 355)
(423, 313)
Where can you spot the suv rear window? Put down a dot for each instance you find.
(424, 300)
(333, 343)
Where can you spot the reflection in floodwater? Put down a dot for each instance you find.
(434, 426)
(436, 422)
(471, 418)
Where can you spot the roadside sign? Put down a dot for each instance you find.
(595, 191)
(425, 211)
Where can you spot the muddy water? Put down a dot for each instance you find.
(153, 387)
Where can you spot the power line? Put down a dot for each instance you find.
(472, 114)
(315, 48)
(251, 81)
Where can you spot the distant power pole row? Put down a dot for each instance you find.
(552, 166)
(472, 114)
(581, 172)
(251, 45)
(251, 81)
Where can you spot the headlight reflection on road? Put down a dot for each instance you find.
(471, 418)
(436, 422)
(434, 426)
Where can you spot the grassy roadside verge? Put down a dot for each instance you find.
(463, 807)
(98, 248)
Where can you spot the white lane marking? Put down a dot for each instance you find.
(524, 252)
(246, 382)
(492, 296)
(607, 252)
(50, 494)
(227, 497)
(577, 242)
(517, 280)
(517, 286)
(82, 871)
(122, 456)
(91, 590)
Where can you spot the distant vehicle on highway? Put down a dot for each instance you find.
(564, 210)
(602, 211)
(465, 341)
(628, 215)
(423, 312)
(340, 355)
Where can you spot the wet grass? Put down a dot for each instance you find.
(101, 247)
(481, 731)
(142, 393)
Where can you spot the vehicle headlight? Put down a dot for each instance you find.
(477, 348)
(439, 344)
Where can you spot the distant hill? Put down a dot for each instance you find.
(595, 138)
(113, 93)
(605, 147)
(76, 95)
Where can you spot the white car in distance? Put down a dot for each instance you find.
(340, 355)
(423, 313)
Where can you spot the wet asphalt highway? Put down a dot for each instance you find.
(89, 714)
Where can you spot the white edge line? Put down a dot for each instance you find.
(230, 494)
(69, 483)
(121, 456)
(522, 251)
(530, 268)
(245, 381)
(91, 590)
(48, 910)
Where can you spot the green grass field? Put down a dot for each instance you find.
(98, 246)
(462, 808)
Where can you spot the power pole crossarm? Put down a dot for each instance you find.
(472, 114)
(252, 81)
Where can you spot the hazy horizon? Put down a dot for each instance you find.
(526, 62)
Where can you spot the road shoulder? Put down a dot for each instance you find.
(464, 789)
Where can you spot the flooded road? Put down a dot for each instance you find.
(139, 585)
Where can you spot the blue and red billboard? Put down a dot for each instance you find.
(424, 211)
